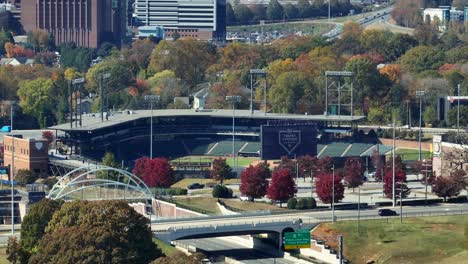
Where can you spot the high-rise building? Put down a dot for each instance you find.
(200, 19)
(87, 23)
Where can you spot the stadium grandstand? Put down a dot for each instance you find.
(187, 132)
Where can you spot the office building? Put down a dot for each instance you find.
(199, 19)
(30, 154)
(87, 23)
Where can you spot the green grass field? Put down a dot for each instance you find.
(165, 248)
(207, 204)
(241, 161)
(3, 256)
(441, 239)
(411, 154)
(309, 27)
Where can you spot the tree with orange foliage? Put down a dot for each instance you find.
(393, 71)
(9, 49)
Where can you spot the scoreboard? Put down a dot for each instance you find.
(288, 139)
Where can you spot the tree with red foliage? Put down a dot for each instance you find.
(220, 170)
(307, 166)
(49, 136)
(400, 177)
(254, 183)
(155, 172)
(324, 188)
(353, 172)
(282, 186)
(445, 187)
(325, 165)
(460, 177)
(287, 163)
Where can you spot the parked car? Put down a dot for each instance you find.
(386, 212)
(5, 129)
(195, 185)
(244, 198)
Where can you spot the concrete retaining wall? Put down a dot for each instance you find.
(319, 252)
(166, 209)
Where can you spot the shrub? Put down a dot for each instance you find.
(292, 203)
(50, 182)
(221, 191)
(300, 204)
(310, 203)
(168, 191)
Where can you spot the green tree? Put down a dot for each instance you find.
(35, 97)
(230, 16)
(35, 222)
(16, 253)
(452, 116)
(75, 57)
(376, 115)
(422, 58)
(120, 77)
(275, 10)
(368, 82)
(4, 38)
(291, 11)
(287, 91)
(167, 86)
(26, 176)
(430, 115)
(304, 8)
(243, 13)
(96, 232)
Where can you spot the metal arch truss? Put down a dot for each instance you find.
(85, 183)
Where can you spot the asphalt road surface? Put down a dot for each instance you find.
(218, 248)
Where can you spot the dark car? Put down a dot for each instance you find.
(195, 186)
(387, 212)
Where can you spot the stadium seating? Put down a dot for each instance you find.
(334, 149)
(381, 148)
(251, 147)
(357, 149)
(224, 148)
(199, 147)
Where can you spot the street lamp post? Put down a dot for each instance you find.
(151, 98)
(234, 99)
(393, 167)
(458, 113)
(420, 94)
(425, 181)
(401, 201)
(329, 10)
(333, 194)
(12, 170)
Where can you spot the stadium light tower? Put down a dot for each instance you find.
(234, 99)
(76, 83)
(333, 194)
(103, 77)
(151, 98)
(420, 94)
(261, 73)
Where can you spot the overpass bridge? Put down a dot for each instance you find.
(233, 225)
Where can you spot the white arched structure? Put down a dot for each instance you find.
(100, 183)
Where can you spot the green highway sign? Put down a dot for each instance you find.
(295, 240)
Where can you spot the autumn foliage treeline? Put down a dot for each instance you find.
(388, 69)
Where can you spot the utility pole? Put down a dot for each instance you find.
(333, 194)
(458, 113)
(393, 167)
(401, 202)
(329, 11)
(420, 94)
(341, 249)
(359, 209)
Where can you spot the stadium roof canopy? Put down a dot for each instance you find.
(93, 121)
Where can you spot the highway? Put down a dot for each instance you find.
(306, 217)
(231, 247)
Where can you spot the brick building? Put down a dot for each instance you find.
(87, 23)
(30, 154)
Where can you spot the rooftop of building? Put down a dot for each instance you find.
(93, 121)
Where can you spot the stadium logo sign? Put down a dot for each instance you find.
(289, 139)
